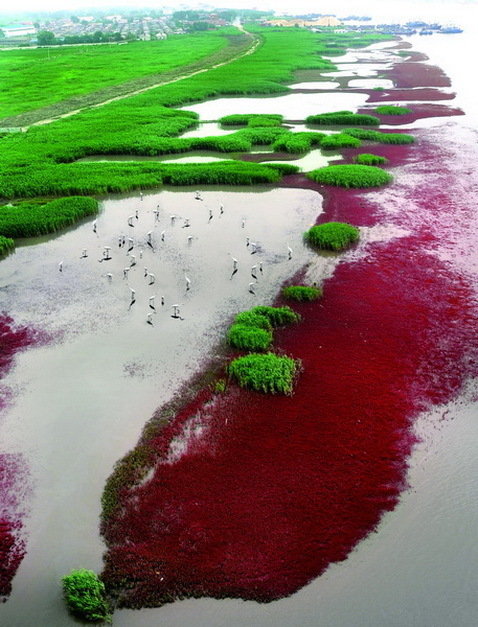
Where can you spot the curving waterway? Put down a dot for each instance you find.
(79, 404)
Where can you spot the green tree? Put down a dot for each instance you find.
(46, 38)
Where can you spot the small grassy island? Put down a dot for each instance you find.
(342, 118)
(392, 110)
(351, 176)
(332, 235)
(301, 293)
(366, 158)
(85, 596)
(268, 373)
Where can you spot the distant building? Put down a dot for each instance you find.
(18, 31)
(328, 21)
(323, 21)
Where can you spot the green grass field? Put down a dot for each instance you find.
(41, 76)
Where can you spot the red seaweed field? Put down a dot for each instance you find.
(12, 548)
(253, 496)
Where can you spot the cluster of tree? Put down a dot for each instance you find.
(47, 38)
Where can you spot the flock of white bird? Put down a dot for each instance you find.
(134, 250)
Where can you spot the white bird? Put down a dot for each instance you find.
(162, 236)
(253, 272)
(60, 266)
(125, 272)
(243, 223)
(140, 253)
(260, 266)
(94, 226)
(152, 278)
(172, 218)
(188, 282)
(251, 288)
(186, 223)
(106, 252)
(198, 196)
(234, 262)
(149, 234)
(130, 221)
(120, 241)
(149, 319)
(210, 214)
(221, 209)
(190, 239)
(136, 214)
(145, 271)
(151, 302)
(247, 241)
(109, 276)
(141, 195)
(84, 254)
(289, 251)
(130, 243)
(156, 214)
(176, 313)
(162, 300)
(133, 261)
(133, 293)
(253, 246)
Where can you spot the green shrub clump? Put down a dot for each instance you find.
(249, 338)
(267, 373)
(392, 110)
(301, 293)
(377, 136)
(366, 158)
(332, 235)
(277, 316)
(85, 596)
(339, 140)
(351, 176)
(6, 245)
(252, 319)
(341, 118)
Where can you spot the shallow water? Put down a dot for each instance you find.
(291, 106)
(85, 397)
(370, 83)
(315, 85)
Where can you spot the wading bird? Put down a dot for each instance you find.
(133, 294)
(60, 266)
(186, 223)
(84, 254)
(151, 302)
(253, 246)
(198, 196)
(253, 272)
(190, 239)
(162, 300)
(94, 226)
(106, 253)
(211, 215)
(188, 282)
(176, 313)
(289, 251)
(243, 223)
(130, 243)
(156, 214)
(136, 213)
(221, 210)
(109, 276)
(130, 221)
(162, 236)
(152, 278)
(149, 319)
(251, 288)
(125, 273)
(260, 266)
(141, 195)
(133, 261)
(145, 271)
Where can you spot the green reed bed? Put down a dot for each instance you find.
(252, 119)
(249, 338)
(29, 219)
(332, 236)
(85, 596)
(342, 118)
(6, 245)
(269, 373)
(339, 140)
(301, 293)
(392, 110)
(366, 158)
(379, 137)
(351, 176)
(103, 177)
